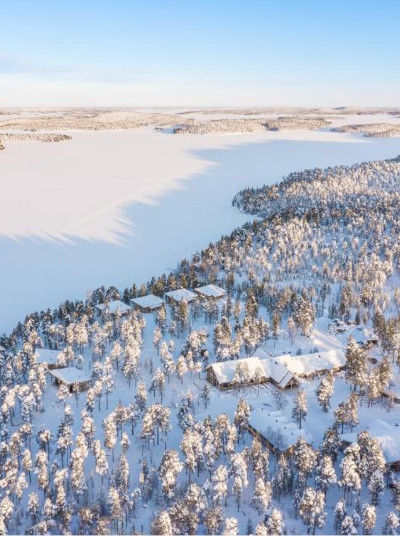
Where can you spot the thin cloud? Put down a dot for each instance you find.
(53, 72)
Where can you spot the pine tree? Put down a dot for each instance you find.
(259, 458)
(169, 468)
(205, 395)
(347, 526)
(262, 496)
(392, 524)
(101, 459)
(300, 407)
(251, 306)
(122, 475)
(326, 475)
(33, 506)
(311, 509)
(368, 518)
(158, 382)
(325, 391)
(305, 459)
(347, 412)
(27, 462)
(376, 485)
(231, 527)
(331, 442)
(213, 520)
(115, 506)
(195, 502)
(304, 315)
(350, 481)
(275, 525)
(340, 514)
(261, 529)
(141, 396)
(356, 364)
(162, 525)
(241, 417)
(282, 481)
(219, 481)
(191, 446)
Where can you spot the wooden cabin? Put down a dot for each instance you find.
(114, 307)
(49, 357)
(275, 431)
(147, 304)
(75, 379)
(179, 295)
(210, 292)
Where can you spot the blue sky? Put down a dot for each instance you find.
(226, 52)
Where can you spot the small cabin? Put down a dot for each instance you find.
(75, 379)
(210, 292)
(114, 307)
(147, 304)
(52, 358)
(275, 431)
(179, 295)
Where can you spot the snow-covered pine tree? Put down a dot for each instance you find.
(325, 391)
(312, 509)
(300, 407)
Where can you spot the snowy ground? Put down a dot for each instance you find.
(118, 207)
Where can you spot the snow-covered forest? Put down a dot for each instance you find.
(147, 444)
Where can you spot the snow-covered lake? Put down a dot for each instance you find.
(119, 207)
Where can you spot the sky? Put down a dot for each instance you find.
(199, 53)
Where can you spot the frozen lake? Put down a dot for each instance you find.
(119, 207)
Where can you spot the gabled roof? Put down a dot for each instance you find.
(114, 306)
(71, 375)
(148, 302)
(181, 294)
(307, 364)
(211, 291)
(277, 371)
(225, 370)
(45, 355)
(277, 429)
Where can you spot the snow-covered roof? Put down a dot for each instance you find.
(281, 369)
(307, 364)
(277, 371)
(181, 294)
(225, 370)
(364, 335)
(386, 433)
(277, 429)
(71, 375)
(148, 302)
(45, 355)
(211, 291)
(114, 306)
